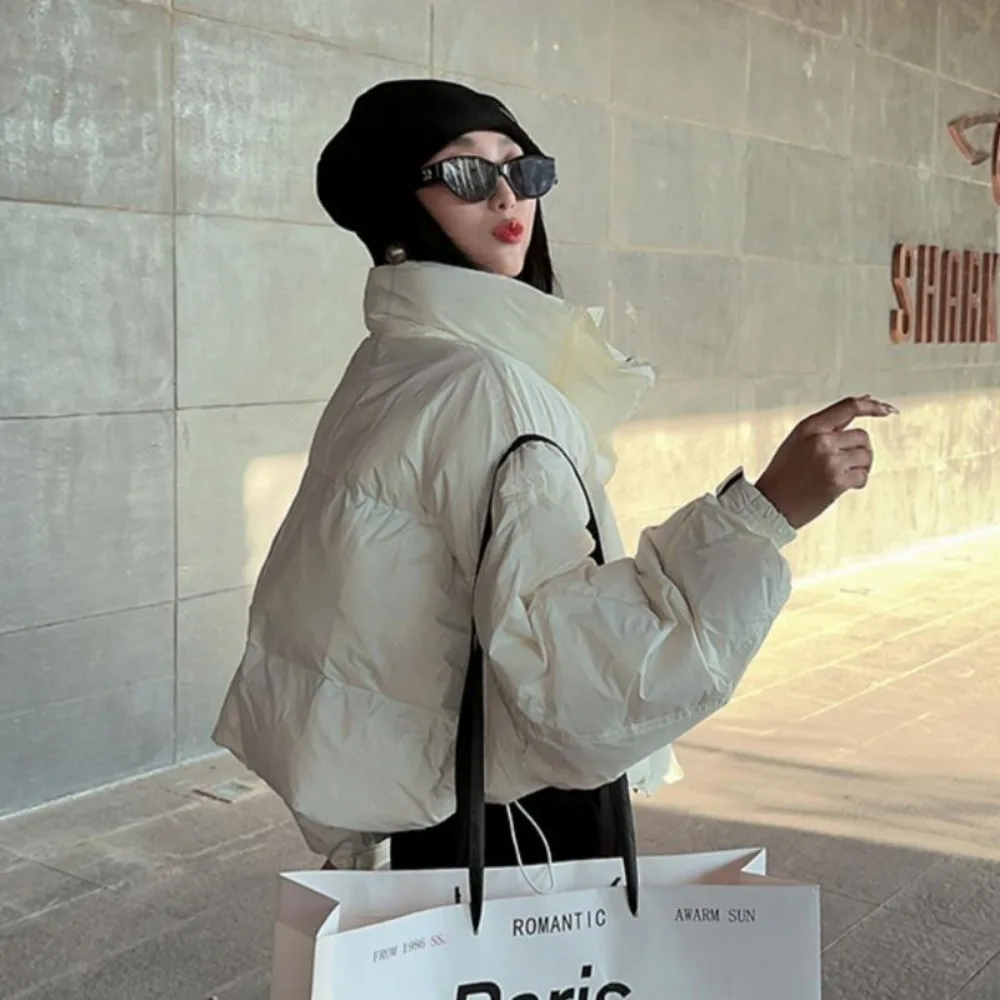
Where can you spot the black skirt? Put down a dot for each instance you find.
(578, 826)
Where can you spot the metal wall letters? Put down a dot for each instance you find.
(957, 128)
(949, 296)
(943, 296)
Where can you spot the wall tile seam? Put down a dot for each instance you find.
(96, 692)
(937, 126)
(938, 26)
(945, 78)
(431, 45)
(201, 595)
(943, 371)
(914, 67)
(558, 241)
(743, 204)
(616, 104)
(114, 612)
(321, 224)
(898, 60)
(924, 173)
(181, 13)
(973, 181)
(615, 201)
(223, 216)
(83, 415)
(930, 370)
(179, 16)
(859, 42)
(884, 268)
(769, 15)
(85, 205)
(277, 220)
(184, 408)
(859, 47)
(744, 133)
(738, 132)
(175, 345)
(852, 107)
(220, 215)
(106, 783)
(79, 619)
(442, 72)
(187, 408)
(756, 374)
(842, 261)
(185, 804)
(96, 206)
(671, 251)
(839, 263)
(611, 105)
(862, 44)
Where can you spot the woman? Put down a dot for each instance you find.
(347, 696)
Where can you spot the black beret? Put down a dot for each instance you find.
(372, 164)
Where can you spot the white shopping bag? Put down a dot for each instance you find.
(709, 926)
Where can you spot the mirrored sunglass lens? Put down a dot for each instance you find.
(470, 177)
(532, 176)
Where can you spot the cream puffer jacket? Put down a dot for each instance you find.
(347, 697)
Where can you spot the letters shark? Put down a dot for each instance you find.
(954, 300)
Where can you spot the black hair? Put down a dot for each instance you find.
(419, 235)
(538, 270)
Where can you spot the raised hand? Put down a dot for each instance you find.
(822, 459)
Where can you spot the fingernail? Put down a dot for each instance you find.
(889, 408)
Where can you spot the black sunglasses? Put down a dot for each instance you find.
(474, 178)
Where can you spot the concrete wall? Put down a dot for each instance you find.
(174, 308)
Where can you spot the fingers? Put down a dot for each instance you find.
(854, 466)
(857, 458)
(839, 415)
(856, 437)
(831, 446)
(855, 479)
(847, 457)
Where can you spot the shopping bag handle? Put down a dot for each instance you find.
(470, 748)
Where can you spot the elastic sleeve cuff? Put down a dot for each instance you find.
(743, 499)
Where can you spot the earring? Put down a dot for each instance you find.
(394, 254)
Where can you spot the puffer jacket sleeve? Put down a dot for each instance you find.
(599, 666)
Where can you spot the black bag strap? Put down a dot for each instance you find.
(470, 749)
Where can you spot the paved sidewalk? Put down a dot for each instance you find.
(863, 752)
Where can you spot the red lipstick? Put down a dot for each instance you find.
(510, 231)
